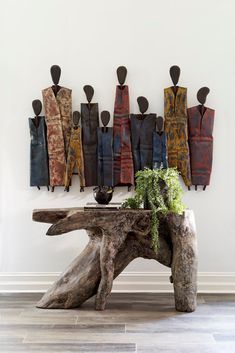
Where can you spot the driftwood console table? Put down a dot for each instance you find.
(115, 239)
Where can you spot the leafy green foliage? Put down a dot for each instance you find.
(158, 190)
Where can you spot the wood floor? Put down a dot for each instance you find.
(143, 323)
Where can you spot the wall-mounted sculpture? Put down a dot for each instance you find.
(175, 112)
(142, 127)
(39, 173)
(75, 155)
(159, 145)
(201, 122)
(123, 162)
(90, 123)
(105, 151)
(58, 111)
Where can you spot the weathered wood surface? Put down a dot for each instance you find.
(135, 322)
(115, 239)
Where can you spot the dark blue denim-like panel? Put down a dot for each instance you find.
(142, 127)
(39, 170)
(159, 150)
(105, 157)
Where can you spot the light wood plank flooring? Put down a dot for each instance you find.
(143, 323)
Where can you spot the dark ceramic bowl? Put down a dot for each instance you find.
(103, 195)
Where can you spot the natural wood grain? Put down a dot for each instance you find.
(68, 347)
(160, 329)
(117, 238)
(53, 215)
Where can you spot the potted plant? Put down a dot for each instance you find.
(158, 190)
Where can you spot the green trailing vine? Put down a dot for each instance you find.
(158, 190)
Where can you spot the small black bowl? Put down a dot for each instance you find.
(103, 195)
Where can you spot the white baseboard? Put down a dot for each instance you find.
(208, 282)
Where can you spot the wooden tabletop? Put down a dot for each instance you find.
(52, 215)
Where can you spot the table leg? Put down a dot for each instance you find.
(184, 263)
(111, 244)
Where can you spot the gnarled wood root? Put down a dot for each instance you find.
(117, 238)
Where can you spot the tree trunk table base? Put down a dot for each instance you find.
(115, 239)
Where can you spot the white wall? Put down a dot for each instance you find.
(89, 40)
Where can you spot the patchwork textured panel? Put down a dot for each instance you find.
(75, 157)
(123, 162)
(201, 144)
(176, 126)
(58, 110)
(90, 123)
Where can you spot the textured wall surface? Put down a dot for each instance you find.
(89, 39)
